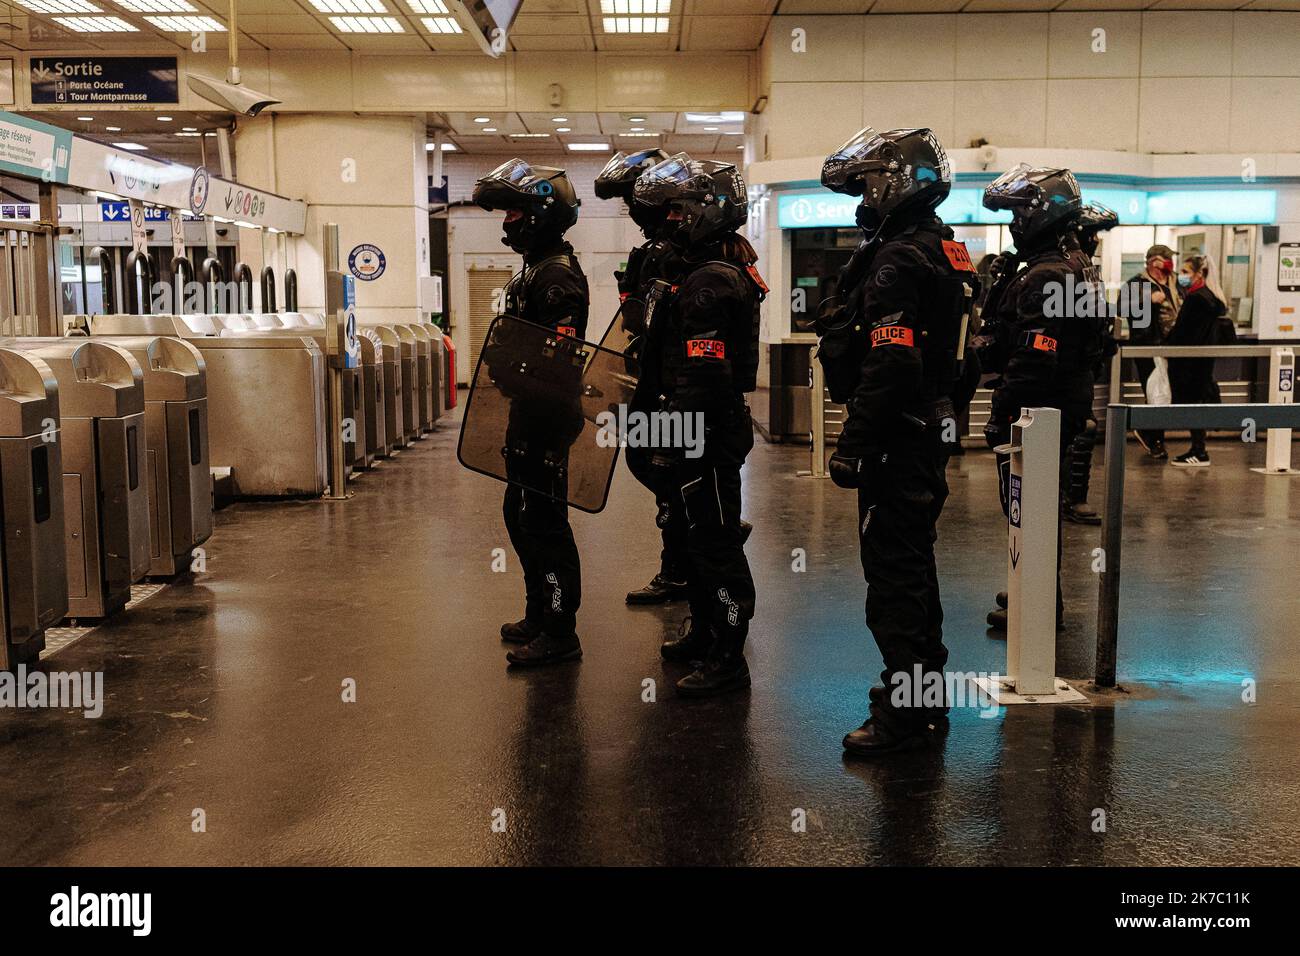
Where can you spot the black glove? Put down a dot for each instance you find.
(855, 471)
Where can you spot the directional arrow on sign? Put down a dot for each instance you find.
(41, 71)
(1015, 553)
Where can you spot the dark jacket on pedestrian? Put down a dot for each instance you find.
(1192, 380)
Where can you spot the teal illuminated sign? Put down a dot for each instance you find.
(823, 209)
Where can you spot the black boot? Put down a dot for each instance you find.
(692, 643)
(520, 632)
(1081, 514)
(660, 590)
(875, 738)
(545, 649)
(723, 670)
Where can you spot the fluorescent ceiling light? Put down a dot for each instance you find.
(637, 129)
(726, 116)
(349, 6)
(627, 16)
(489, 129)
(639, 135)
(163, 119)
(133, 147)
(427, 6)
(563, 129)
(529, 135)
(482, 119)
(367, 24)
(589, 147)
(635, 24)
(446, 147)
(59, 6)
(188, 133)
(559, 119)
(189, 129)
(187, 24)
(636, 119)
(442, 25)
(710, 129)
(96, 24)
(157, 6)
(86, 119)
(113, 129)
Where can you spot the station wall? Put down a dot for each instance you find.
(1183, 81)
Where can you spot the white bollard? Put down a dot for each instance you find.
(1033, 523)
(1281, 391)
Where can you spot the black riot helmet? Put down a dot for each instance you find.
(704, 199)
(617, 179)
(902, 174)
(1093, 219)
(1042, 201)
(539, 201)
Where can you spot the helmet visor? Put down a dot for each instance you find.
(1012, 188)
(512, 182)
(662, 182)
(859, 148)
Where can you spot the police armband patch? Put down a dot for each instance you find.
(567, 330)
(706, 348)
(1042, 343)
(957, 255)
(892, 335)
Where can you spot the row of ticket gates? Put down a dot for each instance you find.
(113, 438)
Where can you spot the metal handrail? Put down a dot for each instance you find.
(1119, 419)
(1176, 351)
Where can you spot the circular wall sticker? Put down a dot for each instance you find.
(199, 191)
(366, 262)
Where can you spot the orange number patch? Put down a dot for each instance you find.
(957, 255)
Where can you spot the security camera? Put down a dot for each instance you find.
(231, 96)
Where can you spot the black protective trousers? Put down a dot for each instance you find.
(720, 587)
(898, 511)
(543, 539)
(669, 520)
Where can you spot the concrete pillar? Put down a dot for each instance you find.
(366, 173)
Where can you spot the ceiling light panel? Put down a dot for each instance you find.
(96, 24)
(59, 6)
(349, 6)
(157, 6)
(187, 24)
(629, 16)
(427, 6)
(443, 25)
(367, 24)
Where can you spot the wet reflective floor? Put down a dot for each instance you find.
(224, 695)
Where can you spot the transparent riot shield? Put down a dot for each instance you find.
(534, 415)
(627, 330)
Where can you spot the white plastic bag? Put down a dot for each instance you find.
(1158, 390)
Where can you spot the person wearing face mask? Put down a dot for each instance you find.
(1201, 321)
(550, 290)
(1153, 300)
(646, 263)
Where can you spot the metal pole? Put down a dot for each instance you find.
(1117, 377)
(1112, 528)
(45, 253)
(334, 309)
(817, 379)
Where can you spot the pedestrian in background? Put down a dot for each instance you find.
(1151, 325)
(1202, 320)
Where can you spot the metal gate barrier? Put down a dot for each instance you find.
(18, 271)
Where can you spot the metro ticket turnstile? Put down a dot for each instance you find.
(373, 368)
(266, 403)
(176, 442)
(429, 354)
(35, 592)
(395, 385)
(410, 382)
(106, 507)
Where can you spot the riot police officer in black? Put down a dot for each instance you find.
(1043, 335)
(645, 263)
(708, 359)
(550, 290)
(890, 347)
(1092, 221)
